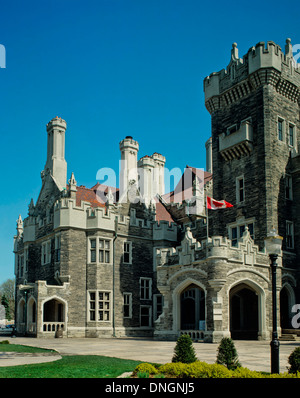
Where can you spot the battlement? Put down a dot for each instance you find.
(57, 122)
(67, 214)
(165, 231)
(129, 143)
(264, 63)
(217, 247)
(264, 56)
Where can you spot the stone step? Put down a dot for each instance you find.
(289, 337)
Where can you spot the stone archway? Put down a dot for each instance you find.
(244, 312)
(54, 311)
(192, 308)
(31, 315)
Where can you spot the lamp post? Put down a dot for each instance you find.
(273, 244)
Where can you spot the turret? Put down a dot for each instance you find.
(56, 162)
(128, 165)
(151, 172)
(19, 227)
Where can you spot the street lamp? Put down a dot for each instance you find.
(273, 243)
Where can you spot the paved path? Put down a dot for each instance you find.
(254, 355)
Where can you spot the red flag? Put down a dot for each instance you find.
(217, 204)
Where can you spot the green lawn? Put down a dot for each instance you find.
(75, 366)
(21, 348)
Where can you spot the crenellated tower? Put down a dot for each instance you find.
(56, 162)
(254, 106)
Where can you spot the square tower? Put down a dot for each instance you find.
(254, 107)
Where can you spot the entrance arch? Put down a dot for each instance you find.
(192, 308)
(54, 311)
(244, 312)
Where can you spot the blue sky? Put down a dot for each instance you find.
(113, 68)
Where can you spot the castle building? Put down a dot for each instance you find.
(137, 261)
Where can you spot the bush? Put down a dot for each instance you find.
(204, 370)
(144, 368)
(294, 361)
(173, 369)
(184, 351)
(227, 354)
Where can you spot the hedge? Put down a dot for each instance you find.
(200, 369)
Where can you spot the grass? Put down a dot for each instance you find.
(6, 347)
(73, 366)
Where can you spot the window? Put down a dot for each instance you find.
(104, 306)
(127, 306)
(145, 288)
(57, 248)
(231, 130)
(104, 251)
(93, 250)
(26, 258)
(92, 304)
(127, 253)
(291, 136)
(288, 188)
(236, 232)
(145, 315)
(99, 306)
(280, 129)
(289, 235)
(100, 251)
(46, 252)
(240, 190)
(21, 265)
(158, 305)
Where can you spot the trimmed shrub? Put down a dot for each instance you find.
(203, 370)
(144, 368)
(294, 361)
(184, 351)
(173, 369)
(227, 354)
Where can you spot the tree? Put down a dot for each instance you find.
(7, 289)
(5, 302)
(184, 351)
(227, 354)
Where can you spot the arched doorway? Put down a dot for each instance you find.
(192, 308)
(53, 315)
(31, 316)
(243, 313)
(287, 300)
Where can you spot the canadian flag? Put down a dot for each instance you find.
(217, 204)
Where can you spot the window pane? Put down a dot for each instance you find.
(280, 123)
(291, 135)
(251, 230)
(93, 243)
(107, 257)
(93, 256)
(242, 230)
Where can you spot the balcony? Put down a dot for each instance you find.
(236, 143)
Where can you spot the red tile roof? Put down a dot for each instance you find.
(94, 195)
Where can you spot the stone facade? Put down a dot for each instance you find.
(163, 264)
